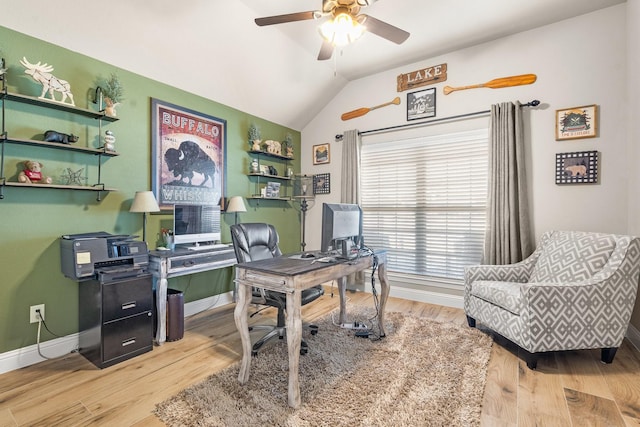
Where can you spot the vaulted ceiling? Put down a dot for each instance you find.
(214, 48)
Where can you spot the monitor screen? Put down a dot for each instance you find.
(196, 223)
(341, 229)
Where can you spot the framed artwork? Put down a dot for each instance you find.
(580, 167)
(421, 104)
(188, 152)
(577, 122)
(321, 154)
(321, 183)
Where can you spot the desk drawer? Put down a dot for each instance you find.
(127, 298)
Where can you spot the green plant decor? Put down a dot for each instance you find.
(254, 137)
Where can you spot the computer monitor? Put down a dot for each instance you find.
(196, 224)
(341, 229)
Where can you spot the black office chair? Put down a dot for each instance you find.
(256, 241)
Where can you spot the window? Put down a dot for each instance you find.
(424, 200)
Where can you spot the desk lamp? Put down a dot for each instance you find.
(236, 204)
(144, 202)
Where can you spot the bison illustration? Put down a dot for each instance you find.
(188, 159)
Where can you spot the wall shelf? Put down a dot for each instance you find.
(58, 146)
(32, 100)
(282, 162)
(100, 116)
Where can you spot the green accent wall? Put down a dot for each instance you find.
(32, 220)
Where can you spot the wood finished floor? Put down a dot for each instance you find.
(567, 389)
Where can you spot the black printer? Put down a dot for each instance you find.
(103, 256)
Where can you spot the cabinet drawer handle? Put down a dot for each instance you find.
(128, 342)
(128, 305)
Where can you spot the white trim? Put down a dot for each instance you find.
(59, 347)
(195, 307)
(633, 335)
(447, 300)
(26, 356)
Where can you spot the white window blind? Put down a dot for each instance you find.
(424, 200)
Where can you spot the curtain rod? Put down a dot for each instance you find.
(339, 136)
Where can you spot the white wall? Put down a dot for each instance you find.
(580, 61)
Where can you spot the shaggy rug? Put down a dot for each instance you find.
(423, 373)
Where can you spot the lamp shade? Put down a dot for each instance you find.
(144, 201)
(236, 204)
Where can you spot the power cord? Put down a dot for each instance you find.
(40, 323)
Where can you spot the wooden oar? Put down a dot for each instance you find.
(524, 79)
(362, 111)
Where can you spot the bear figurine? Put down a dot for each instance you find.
(32, 173)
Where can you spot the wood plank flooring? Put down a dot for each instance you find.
(568, 388)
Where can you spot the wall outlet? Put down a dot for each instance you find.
(33, 316)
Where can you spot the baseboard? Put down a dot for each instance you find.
(26, 356)
(430, 297)
(195, 307)
(633, 335)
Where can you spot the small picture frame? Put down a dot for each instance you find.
(580, 167)
(577, 122)
(321, 183)
(321, 154)
(421, 104)
(264, 169)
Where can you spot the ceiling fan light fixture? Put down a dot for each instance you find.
(341, 30)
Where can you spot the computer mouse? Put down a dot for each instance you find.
(307, 255)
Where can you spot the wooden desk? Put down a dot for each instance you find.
(292, 276)
(166, 264)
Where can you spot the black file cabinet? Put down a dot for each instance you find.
(116, 319)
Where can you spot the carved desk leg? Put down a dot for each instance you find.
(294, 337)
(384, 294)
(342, 290)
(240, 316)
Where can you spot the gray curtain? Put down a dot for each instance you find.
(508, 232)
(350, 170)
(350, 179)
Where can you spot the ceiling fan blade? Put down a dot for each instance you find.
(289, 17)
(383, 29)
(364, 3)
(326, 50)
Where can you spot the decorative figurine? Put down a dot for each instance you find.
(109, 141)
(32, 173)
(255, 166)
(70, 177)
(50, 83)
(55, 136)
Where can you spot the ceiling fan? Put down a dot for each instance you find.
(345, 25)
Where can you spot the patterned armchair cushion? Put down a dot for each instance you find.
(507, 295)
(572, 257)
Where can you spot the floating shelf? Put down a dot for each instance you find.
(58, 146)
(97, 187)
(284, 178)
(54, 105)
(275, 156)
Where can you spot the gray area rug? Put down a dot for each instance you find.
(423, 373)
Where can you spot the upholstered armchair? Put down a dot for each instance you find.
(256, 241)
(576, 291)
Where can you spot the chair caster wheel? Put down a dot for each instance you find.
(303, 351)
(314, 332)
(254, 353)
